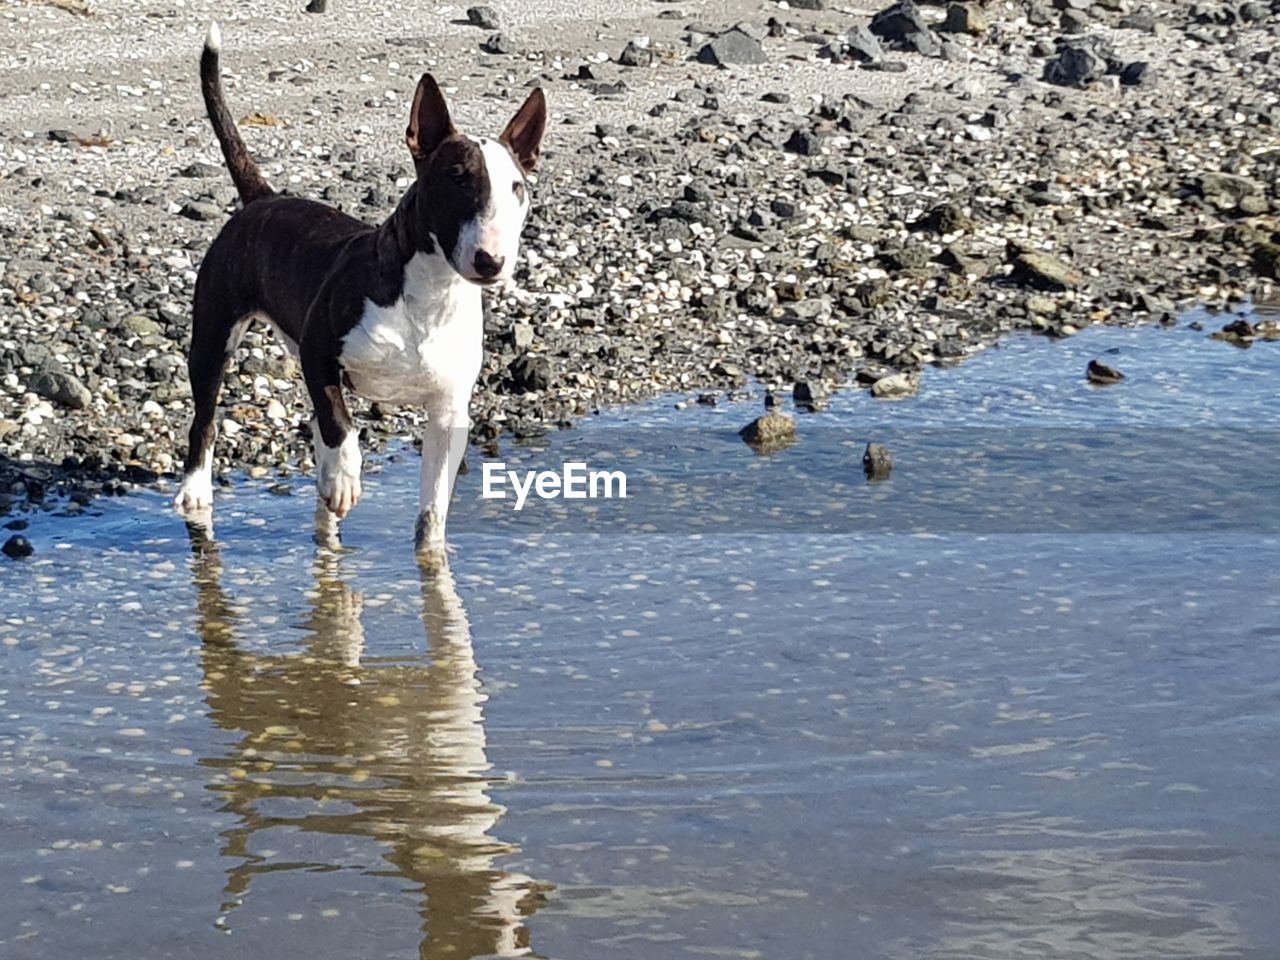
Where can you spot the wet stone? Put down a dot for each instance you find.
(769, 432)
(877, 462)
(17, 547)
(1099, 373)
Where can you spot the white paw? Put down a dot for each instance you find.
(338, 474)
(196, 493)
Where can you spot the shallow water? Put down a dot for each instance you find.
(836, 719)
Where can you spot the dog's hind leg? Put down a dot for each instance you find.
(215, 334)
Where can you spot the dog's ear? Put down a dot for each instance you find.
(523, 135)
(429, 123)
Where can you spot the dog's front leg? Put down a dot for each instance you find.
(337, 444)
(444, 443)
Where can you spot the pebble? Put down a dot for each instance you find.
(877, 462)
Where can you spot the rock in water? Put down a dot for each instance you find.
(771, 432)
(1099, 373)
(17, 547)
(1240, 333)
(877, 462)
(735, 45)
(895, 386)
(806, 398)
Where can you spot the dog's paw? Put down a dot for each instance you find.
(338, 475)
(195, 496)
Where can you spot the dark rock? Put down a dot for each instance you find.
(1266, 257)
(60, 387)
(1137, 74)
(486, 18)
(877, 462)
(634, 55)
(317, 6)
(965, 18)
(17, 547)
(898, 21)
(944, 218)
(1101, 374)
(805, 397)
(202, 169)
(530, 372)
(1075, 66)
(62, 136)
(499, 44)
(1044, 271)
(1074, 21)
(198, 210)
(808, 5)
(1226, 190)
(804, 143)
(735, 45)
(886, 66)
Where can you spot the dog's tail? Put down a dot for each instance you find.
(248, 178)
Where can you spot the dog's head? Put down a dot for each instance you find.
(473, 194)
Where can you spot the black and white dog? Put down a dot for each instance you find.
(391, 312)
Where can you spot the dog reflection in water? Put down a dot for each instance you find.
(331, 743)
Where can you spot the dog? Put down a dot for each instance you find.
(392, 313)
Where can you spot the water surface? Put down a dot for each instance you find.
(1024, 735)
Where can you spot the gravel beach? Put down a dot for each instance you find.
(820, 194)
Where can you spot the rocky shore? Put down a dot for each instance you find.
(816, 193)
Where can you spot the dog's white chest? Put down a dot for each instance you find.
(424, 348)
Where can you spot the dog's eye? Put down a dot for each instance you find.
(518, 189)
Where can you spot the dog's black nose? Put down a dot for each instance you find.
(488, 266)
